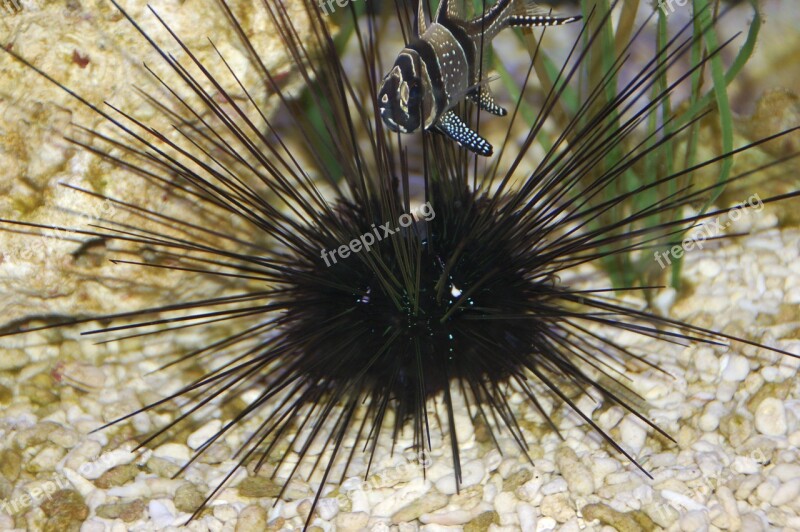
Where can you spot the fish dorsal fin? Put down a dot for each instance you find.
(422, 25)
(450, 9)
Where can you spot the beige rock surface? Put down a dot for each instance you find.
(91, 48)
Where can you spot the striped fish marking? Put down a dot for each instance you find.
(442, 65)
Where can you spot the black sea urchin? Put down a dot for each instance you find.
(349, 320)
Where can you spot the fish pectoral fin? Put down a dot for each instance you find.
(452, 126)
(484, 98)
(539, 20)
(528, 14)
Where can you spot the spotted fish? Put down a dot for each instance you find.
(442, 66)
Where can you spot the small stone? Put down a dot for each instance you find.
(517, 479)
(6, 395)
(117, 476)
(199, 437)
(577, 475)
(557, 485)
(527, 516)
(162, 467)
(621, 521)
(127, 511)
(35, 435)
(67, 504)
(695, 520)
(430, 502)
(709, 268)
(258, 487)
(162, 513)
(64, 437)
(188, 498)
(788, 492)
(10, 464)
(45, 460)
(82, 376)
(252, 517)
(505, 503)
(736, 368)
(13, 359)
(632, 434)
(471, 473)
(354, 521)
(327, 509)
(225, 513)
(558, 506)
(174, 452)
(770, 417)
(482, 522)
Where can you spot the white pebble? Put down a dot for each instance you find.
(174, 452)
(351, 521)
(448, 518)
(162, 513)
(505, 503)
(735, 368)
(786, 472)
(788, 492)
(632, 434)
(709, 268)
(92, 525)
(557, 485)
(745, 465)
(695, 521)
(527, 516)
(203, 434)
(83, 376)
(530, 489)
(471, 473)
(400, 498)
(81, 485)
(770, 417)
(545, 524)
(682, 500)
(327, 508)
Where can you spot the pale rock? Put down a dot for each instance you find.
(203, 434)
(577, 475)
(327, 508)
(471, 473)
(400, 498)
(529, 490)
(766, 490)
(505, 503)
(546, 524)
(351, 521)
(557, 485)
(632, 434)
(788, 492)
(162, 513)
(526, 515)
(786, 472)
(252, 517)
(770, 417)
(694, 521)
(735, 368)
(174, 452)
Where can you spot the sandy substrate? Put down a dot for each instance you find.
(734, 412)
